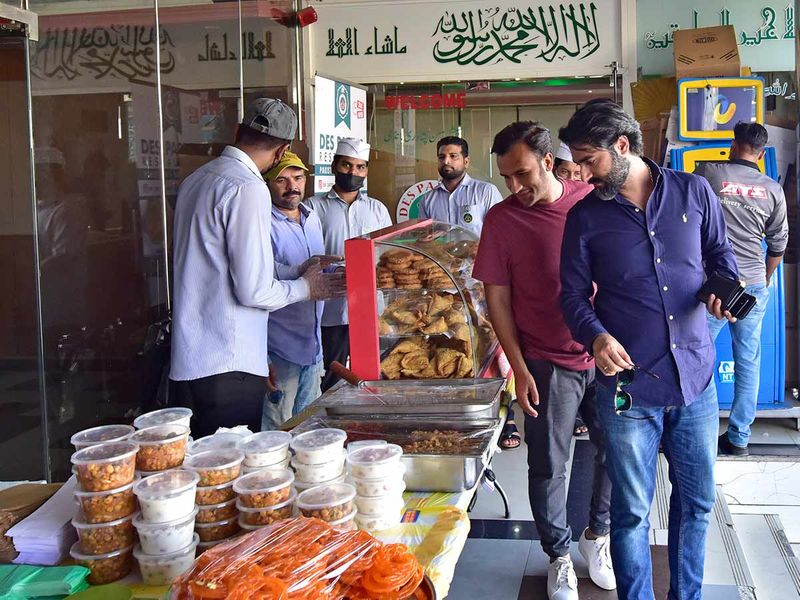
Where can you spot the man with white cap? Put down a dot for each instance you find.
(346, 211)
(224, 275)
(295, 346)
(565, 167)
(458, 199)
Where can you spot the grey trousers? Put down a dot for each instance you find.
(563, 394)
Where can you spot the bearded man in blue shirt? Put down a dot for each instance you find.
(636, 251)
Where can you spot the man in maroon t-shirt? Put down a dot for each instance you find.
(518, 261)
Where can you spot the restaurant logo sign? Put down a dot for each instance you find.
(427, 101)
(342, 98)
(408, 205)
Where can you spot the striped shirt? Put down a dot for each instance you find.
(223, 271)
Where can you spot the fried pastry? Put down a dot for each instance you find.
(438, 326)
(415, 361)
(455, 317)
(390, 366)
(405, 316)
(447, 361)
(413, 344)
(440, 303)
(397, 256)
(464, 366)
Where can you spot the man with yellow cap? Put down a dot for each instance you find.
(346, 211)
(294, 344)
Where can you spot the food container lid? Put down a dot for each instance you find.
(216, 523)
(399, 471)
(337, 458)
(103, 453)
(79, 523)
(265, 441)
(219, 486)
(168, 483)
(344, 520)
(264, 481)
(140, 523)
(353, 446)
(142, 474)
(250, 509)
(75, 552)
(318, 439)
(323, 496)
(214, 459)
(79, 493)
(160, 434)
(102, 434)
(376, 455)
(162, 558)
(217, 441)
(161, 417)
(301, 485)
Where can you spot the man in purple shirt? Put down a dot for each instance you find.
(646, 238)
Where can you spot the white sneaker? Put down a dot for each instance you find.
(562, 583)
(598, 556)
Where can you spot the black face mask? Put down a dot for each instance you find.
(349, 182)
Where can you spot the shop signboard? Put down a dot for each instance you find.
(408, 205)
(765, 31)
(437, 41)
(340, 110)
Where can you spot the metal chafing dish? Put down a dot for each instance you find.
(425, 471)
(460, 398)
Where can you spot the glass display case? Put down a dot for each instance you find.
(415, 310)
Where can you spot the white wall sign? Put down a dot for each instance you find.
(340, 110)
(424, 41)
(408, 205)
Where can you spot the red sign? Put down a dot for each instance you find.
(427, 101)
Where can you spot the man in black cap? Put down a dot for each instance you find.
(224, 275)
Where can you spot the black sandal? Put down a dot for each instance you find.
(509, 437)
(580, 428)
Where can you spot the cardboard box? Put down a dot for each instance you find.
(706, 52)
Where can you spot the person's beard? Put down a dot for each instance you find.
(451, 175)
(612, 182)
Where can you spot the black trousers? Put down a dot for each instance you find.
(335, 346)
(223, 400)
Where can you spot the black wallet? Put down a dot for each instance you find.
(734, 299)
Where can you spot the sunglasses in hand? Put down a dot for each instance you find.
(623, 401)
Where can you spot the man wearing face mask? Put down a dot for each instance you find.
(224, 275)
(346, 211)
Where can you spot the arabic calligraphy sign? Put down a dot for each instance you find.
(417, 41)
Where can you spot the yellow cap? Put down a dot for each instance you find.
(290, 159)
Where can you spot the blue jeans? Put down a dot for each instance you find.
(689, 438)
(746, 339)
(297, 387)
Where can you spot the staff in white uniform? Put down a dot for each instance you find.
(346, 211)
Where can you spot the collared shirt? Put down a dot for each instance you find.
(223, 266)
(294, 333)
(466, 206)
(342, 221)
(647, 266)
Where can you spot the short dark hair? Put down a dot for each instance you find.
(247, 136)
(751, 134)
(452, 140)
(600, 123)
(557, 162)
(531, 133)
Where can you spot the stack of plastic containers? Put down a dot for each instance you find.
(332, 503)
(265, 497)
(377, 474)
(265, 450)
(165, 416)
(217, 470)
(161, 447)
(216, 441)
(319, 458)
(105, 474)
(166, 525)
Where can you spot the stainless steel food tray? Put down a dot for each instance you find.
(424, 472)
(462, 398)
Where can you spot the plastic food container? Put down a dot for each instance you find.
(214, 494)
(377, 522)
(217, 441)
(216, 466)
(163, 570)
(302, 486)
(284, 464)
(327, 502)
(383, 486)
(104, 568)
(102, 507)
(217, 512)
(346, 523)
(165, 538)
(353, 446)
(101, 435)
(168, 496)
(165, 416)
(264, 488)
(319, 473)
(210, 532)
(105, 466)
(267, 515)
(265, 448)
(375, 462)
(373, 505)
(318, 446)
(203, 546)
(101, 538)
(161, 447)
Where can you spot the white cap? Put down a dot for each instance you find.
(564, 153)
(48, 155)
(354, 148)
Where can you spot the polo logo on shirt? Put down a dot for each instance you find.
(730, 188)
